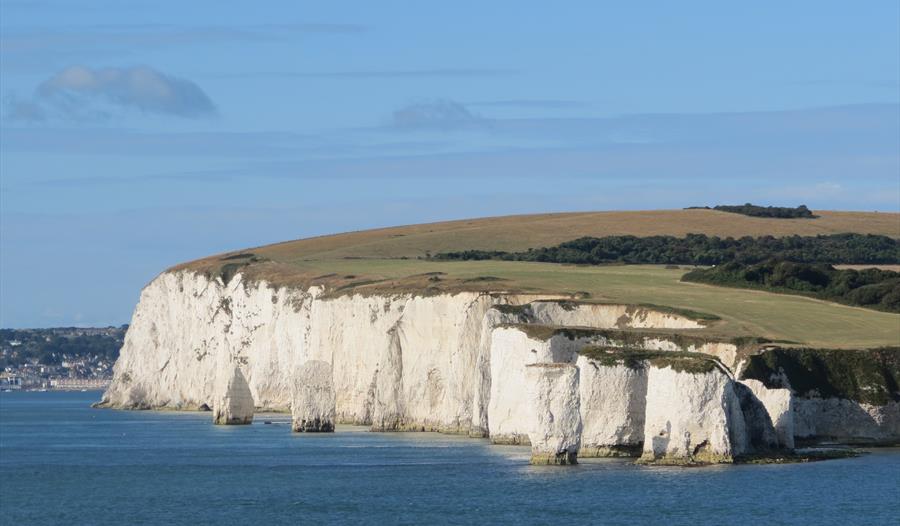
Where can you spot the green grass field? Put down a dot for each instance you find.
(743, 312)
(389, 260)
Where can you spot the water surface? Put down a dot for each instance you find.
(63, 462)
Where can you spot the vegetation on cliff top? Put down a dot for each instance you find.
(869, 376)
(871, 288)
(635, 358)
(635, 338)
(700, 249)
(392, 261)
(780, 212)
(525, 313)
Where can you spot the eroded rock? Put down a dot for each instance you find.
(312, 406)
(613, 401)
(233, 404)
(552, 390)
(693, 416)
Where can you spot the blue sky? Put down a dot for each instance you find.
(136, 135)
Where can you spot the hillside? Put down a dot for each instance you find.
(387, 260)
(514, 233)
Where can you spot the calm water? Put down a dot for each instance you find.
(63, 462)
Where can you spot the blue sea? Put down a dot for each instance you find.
(65, 463)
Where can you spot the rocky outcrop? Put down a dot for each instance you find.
(600, 315)
(834, 395)
(779, 409)
(511, 351)
(842, 420)
(552, 395)
(233, 404)
(312, 406)
(613, 402)
(693, 415)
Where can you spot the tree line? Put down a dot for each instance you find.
(700, 249)
(747, 209)
(871, 288)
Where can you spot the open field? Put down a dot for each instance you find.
(388, 261)
(743, 312)
(514, 233)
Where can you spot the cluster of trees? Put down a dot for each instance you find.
(747, 209)
(871, 288)
(49, 346)
(700, 249)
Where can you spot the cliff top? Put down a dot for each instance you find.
(392, 261)
(521, 232)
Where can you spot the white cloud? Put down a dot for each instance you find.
(84, 93)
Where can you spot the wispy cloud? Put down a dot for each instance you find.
(31, 48)
(530, 103)
(376, 74)
(41, 39)
(81, 93)
(442, 114)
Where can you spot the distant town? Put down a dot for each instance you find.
(64, 358)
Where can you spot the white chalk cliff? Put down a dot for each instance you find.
(555, 431)
(692, 417)
(453, 363)
(613, 407)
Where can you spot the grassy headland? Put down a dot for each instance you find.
(394, 260)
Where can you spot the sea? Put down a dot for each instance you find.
(62, 462)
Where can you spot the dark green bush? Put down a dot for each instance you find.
(700, 249)
(871, 288)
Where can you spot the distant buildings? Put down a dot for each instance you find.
(70, 358)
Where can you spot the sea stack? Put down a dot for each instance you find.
(233, 404)
(556, 424)
(313, 401)
(693, 414)
(613, 402)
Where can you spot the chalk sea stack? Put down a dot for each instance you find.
(312, 406)
(234, 401)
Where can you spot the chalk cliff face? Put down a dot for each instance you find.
(692, 417)
(455, 363)
(829, 394)
(511, 352)
(613, 404)
(398, 361)
(779, 405)
(555, 430)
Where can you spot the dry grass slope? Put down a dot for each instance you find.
(386, 261)
(527, 231)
